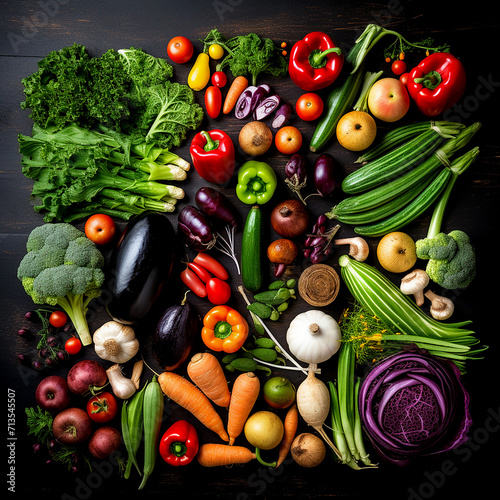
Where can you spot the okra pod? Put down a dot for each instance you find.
(153, 413)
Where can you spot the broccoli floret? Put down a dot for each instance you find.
(62, 267)
(452, 259)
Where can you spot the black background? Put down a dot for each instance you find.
(30, 30)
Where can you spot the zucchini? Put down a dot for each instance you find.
(411, 211)
(251, 265)
(385, 300)
(382, 211)
(393, 164)
(339, 100)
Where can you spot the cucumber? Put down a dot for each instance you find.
(339, 100)
(251, 265)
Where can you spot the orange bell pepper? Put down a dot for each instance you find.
(224, 329)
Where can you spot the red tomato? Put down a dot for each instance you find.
(213, 101)
(200, 271)
(58, 319)
(73, 345)
(212, 265)
(309, 106)
(398, 67)
(100, 229)
(102, 407)
(404, 78)
(180, 49)
(191, 280)
(218, 291)
(219, 79)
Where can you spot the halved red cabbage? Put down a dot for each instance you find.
(412, 404)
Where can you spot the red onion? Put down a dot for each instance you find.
(290, 218)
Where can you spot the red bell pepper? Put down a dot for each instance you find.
(315, 62)
(179, 445)
(213, 156)
(437, 83)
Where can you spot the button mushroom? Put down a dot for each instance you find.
(281, 253)
(414, 283)
(358, 247)
(442, 307)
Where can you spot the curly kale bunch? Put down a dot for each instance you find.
(62, 267)
(248, 55)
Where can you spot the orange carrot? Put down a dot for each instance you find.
(245, 391)
(291, 423)
(240, 83)
(206, 372)
(187, 395)
(212, 455)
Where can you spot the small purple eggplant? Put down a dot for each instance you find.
(325, 175)
(214, 204)
(296, 174)
(195, 229)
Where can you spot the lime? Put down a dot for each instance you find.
(279, 392)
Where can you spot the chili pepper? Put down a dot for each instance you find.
(256, 182)
(315, 61)
(179, 445)
(437, 83)
(224, 329)
(213, 156)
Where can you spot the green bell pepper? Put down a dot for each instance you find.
(256, 183)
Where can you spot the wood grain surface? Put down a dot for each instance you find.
(29, 30)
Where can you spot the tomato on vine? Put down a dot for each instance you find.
(58, 319)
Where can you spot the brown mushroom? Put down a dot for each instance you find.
(281, 253)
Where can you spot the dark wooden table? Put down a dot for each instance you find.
(30, 30)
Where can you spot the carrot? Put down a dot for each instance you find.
(245, 391)
(291, 423)
(212, 455)
(207, 373)
(187, 395)
(240, 83)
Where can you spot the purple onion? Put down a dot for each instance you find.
(282, 115)
(266, 107)
(325, 175)
(196, 229)
(260, 93)
(243, 107)
(214, 204)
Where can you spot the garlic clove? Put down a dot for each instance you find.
(122, 386)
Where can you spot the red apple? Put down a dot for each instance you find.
(53, 394)
(72, 426)
(100, 229)
(388, 100)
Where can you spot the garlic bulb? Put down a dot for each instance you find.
(313, 336)
(122, 386)
(115, 342)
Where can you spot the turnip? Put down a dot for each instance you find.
(104, 441)
(86, 375)
(72, 426)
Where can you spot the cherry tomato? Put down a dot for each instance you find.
(218, 291)
(200, 271)
(404, 78)
(309, 106)
(102, 407)
(213, 101)
(215, 51)
(180, 49)
(73, 345)
(191, 280)
(58, 319)
(398, 67)
(219, 79)
(212, 265)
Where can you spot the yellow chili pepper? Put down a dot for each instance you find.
(224, 329)
(199, 75)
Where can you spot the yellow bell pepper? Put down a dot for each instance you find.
(199, 75)
(224, 329)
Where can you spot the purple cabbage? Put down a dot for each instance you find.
(412, 405)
